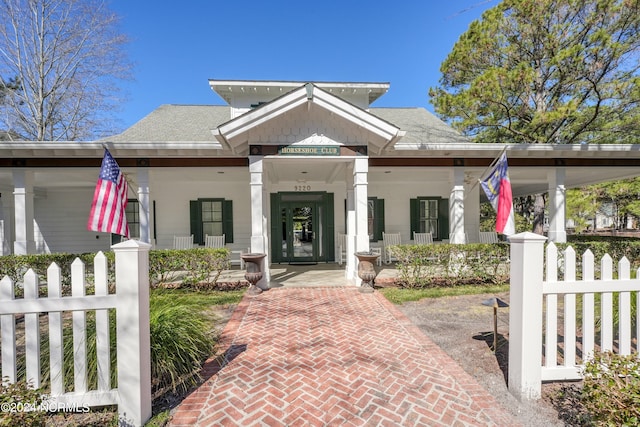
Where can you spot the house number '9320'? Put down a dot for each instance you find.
(302, 188)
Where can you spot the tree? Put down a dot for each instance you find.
(546, 71)
(618, 198)
(582, 205)
(60, 61)
(624, 195)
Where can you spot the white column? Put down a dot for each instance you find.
(350, 228)
(143, 201)
(4, 250)
(472, 210)
(23, 204)
(525, 315)
(557, 202)
(360, 194)
(258, 221)
(456, 207)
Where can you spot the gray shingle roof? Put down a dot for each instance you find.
(174, 123)
(421, 126)
(170, 123)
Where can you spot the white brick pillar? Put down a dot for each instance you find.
(456, 207)
(557, 202)
(258, 218)
(23, 207)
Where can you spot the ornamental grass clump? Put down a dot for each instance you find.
(181, 340)
(181, 337)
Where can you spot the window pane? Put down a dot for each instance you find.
(212, 228)
(212, 223)
(132, 213)
(428, 222)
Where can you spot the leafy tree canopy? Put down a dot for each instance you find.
(546, 71)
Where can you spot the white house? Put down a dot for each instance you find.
(283, 169)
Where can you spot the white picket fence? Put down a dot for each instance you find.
(534, 313)
(131, 303)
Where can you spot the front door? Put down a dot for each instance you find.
(299, 222)
(299, 227)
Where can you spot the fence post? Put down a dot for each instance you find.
(133, 342)
(525, 315)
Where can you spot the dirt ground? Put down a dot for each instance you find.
(463, 327)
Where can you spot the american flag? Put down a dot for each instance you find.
(109, 200)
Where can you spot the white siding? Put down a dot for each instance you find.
(172, 189)
(60, 222)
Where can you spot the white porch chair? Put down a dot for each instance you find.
(488, 237)
(388, 240)
(214, 241)
(378, 251)
(342, 248)
(236, 257)
(183, 242)
(422, 238)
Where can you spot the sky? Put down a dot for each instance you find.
(176, 47)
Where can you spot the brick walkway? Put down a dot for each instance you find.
(333, 357)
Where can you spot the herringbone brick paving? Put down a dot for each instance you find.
(333, 356)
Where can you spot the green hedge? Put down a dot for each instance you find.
(451, 264)
(615, 247)
(191, 267)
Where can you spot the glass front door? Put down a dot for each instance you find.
(301, 223)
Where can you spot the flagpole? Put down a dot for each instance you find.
(492, 164)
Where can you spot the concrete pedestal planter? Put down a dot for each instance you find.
(366, 270)
(253, 273)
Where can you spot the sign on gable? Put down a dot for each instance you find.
(309, 150)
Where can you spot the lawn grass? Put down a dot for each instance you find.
(196, 298)
(402, 295)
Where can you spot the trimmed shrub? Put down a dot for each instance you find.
(611, 389)
(190, 267)
(20, 404)
(449, 264)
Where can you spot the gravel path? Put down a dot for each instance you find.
(463, 328)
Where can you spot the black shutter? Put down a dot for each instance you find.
(195, 217)
(414, 216)
(227, 220)
(443, 219)
(378, 211)
(276, 229)
(331, 228)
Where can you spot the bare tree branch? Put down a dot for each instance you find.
(67, 56)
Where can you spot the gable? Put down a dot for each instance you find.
(304, 115)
